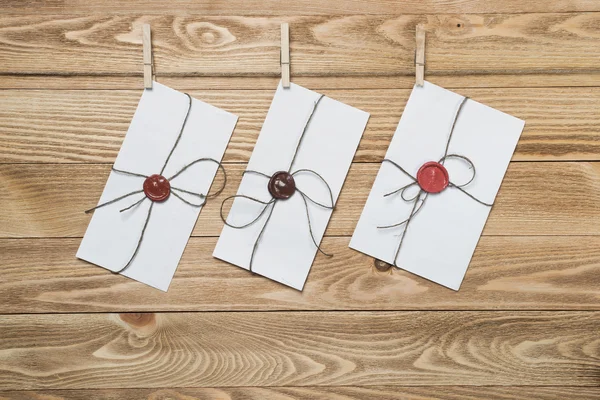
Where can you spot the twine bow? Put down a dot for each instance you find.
(420, 198)
(168, 188)
(282, 186)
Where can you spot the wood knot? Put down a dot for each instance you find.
(457, 25)
(206, 35)
(139, 320)
(381, 265)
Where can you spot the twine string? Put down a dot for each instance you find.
(265, 203)
(322, 180)
(303, 134)
(262, 230)
(256, 173)
(459, 109)
(408, 220)
(187, 114)
(180, 197)
(312, 236)
(421, 197)
(412, 214)
(137, 247)
(270, 205)
(129, 173)
(113, 201)
(400, 189)
(465, 159)
(173, 191)
(134, 204)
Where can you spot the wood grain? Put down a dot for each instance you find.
(535, 199)
(506, 273)
(357, 45)
(312, 393)
(85, 351)
(89, 125)
(133, 82)
(524, 324)
(299, 7)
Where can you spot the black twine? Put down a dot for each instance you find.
(270, 204)
(173, 191)
(420, 198)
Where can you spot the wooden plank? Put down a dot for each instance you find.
(86, 351)
(356, 45)
(299, 7)
(535, 199)
(315, 392)
(508, 273)
(89, 126)
(124, 82)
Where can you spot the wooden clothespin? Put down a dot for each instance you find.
(285, 55)
(420, 55)
(147, 46)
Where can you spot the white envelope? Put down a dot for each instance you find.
(286, 252)
(441, 238)
(112, 236)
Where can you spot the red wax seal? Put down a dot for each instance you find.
(157, 187)
(432, 177)
(282, 185)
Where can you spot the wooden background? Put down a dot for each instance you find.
(524, 325)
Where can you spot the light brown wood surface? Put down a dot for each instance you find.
(283, 349)
(132, 82)
(507, 273)
(526, 321)
(88, 125)
(299, 7)
(320, 45)
(537, 198)
(321, 392)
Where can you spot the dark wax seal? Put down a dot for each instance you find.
(157, 187)
(433, 177)
(282, 185)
